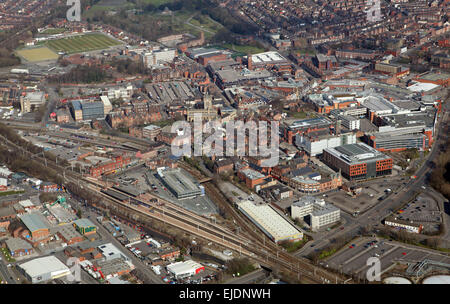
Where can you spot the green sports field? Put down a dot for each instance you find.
(82, 43)
(37, 54)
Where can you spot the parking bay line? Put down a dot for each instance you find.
(358, 255)
(380, 257)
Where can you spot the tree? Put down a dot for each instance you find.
(433, 243)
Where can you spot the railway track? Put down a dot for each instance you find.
(292, 264)
(212, 233)
(267, 254)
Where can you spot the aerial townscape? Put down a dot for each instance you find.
(119, 162)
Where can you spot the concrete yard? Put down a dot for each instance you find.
(354, 260)
(372, 191)
(201, 205)
(423, 210)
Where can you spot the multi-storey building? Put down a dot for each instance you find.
(304, 126)
(314, 142)
(358, 161)
(321, 213)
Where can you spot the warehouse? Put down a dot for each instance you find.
(265, 60)
(358, 161)
(185, 269)
(85, 226)
(111, 252)
(44, 269)
(114, 267)
(35, 224)
(179, 183)
(173, 92)
(270, 222)
(18, 247)
(69, 235)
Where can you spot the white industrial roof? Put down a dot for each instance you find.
(267, 57)
(270, 221)
(422, 87)
(180, 268)
(105, 100)
(26, 203)
(109, 249)
(41, 266)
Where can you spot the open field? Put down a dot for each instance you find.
(82, 43)
(243, 50)
(37, 54)
(157, 3)
(107, 5)
(52, 31)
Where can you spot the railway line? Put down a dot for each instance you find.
(101, 140)
(269, 249)
(266, 253)
(170, 217)
(167, 208)
(212, 233)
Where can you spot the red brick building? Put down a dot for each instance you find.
(251, 177)
(223, 166)
(170, 254)
(115, 163)
(205, 59)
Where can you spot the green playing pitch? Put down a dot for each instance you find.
(82, 43)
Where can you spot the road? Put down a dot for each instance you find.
(374, 216)
(107, 237)
(4, 272)
(52, 100)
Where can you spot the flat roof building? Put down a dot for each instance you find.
(314, 142)
(251, 177)
(185, 269)
(358, 161)
(321, 213)
(270, 222)
(266, 59)
(111, 252)
(18, 247)
(180, 183)
(44, 269)
(84, 226)
(410, 226)
(114, 267)
(304, 126)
